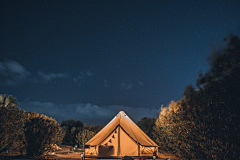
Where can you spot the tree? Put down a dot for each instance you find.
(8, 101)
(11, 128)
(147, 124)
(19, 129)
(94, 128)
(204, 123)
(11, 124)
(40, 132)
(77, 133)
(224, 64)
(86, 133)
(83, 136)
(220, 87)
(71, 128)
(72, 123)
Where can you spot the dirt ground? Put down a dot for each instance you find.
(67, 154)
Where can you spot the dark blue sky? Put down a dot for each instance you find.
(89, 59)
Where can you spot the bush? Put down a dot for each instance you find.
(40, 132)
(20, 130)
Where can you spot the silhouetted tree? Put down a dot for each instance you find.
(76, 131)
(94, 128)
(220, 87)
(147, 125)
(11, 124)
(72, 123)
(204, 123)
(40, 132)
(11, 128)
(30, 130)
(71, 128)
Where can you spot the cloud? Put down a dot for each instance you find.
(12, 73)
(87, 113)
(50, 76)
(89, 110)
(82, 78)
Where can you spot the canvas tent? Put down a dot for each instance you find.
(120, 137)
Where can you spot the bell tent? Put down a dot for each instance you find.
(120, 137)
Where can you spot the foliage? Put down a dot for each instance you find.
(94, 128)
(8, 101)
(147, 125)
(83, 136)
(19, 129)
(40, 132)
(59, 135)
(204, 123)
(71, 128)
(72, 123)
(75, 131)
(11, 128)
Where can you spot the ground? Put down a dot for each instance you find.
(67, 154)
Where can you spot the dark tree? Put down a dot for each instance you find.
(40, 132)
(204, 124)
(147, 125)
(11, 128)
(220, 88)
(71, 128)
(11, 124)
(72, 123)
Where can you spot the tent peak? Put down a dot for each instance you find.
(122, 113)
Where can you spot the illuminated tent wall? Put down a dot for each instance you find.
(120, 137)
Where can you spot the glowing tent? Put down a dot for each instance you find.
(120, 137)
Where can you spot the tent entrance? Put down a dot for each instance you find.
(105, 151)
(118, 144)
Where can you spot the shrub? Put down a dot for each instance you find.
(40, 132)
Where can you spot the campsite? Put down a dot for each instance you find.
(119, 138)
(114, 79)
(110, 79)
(67, 154)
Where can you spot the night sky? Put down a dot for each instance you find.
(88, 60)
